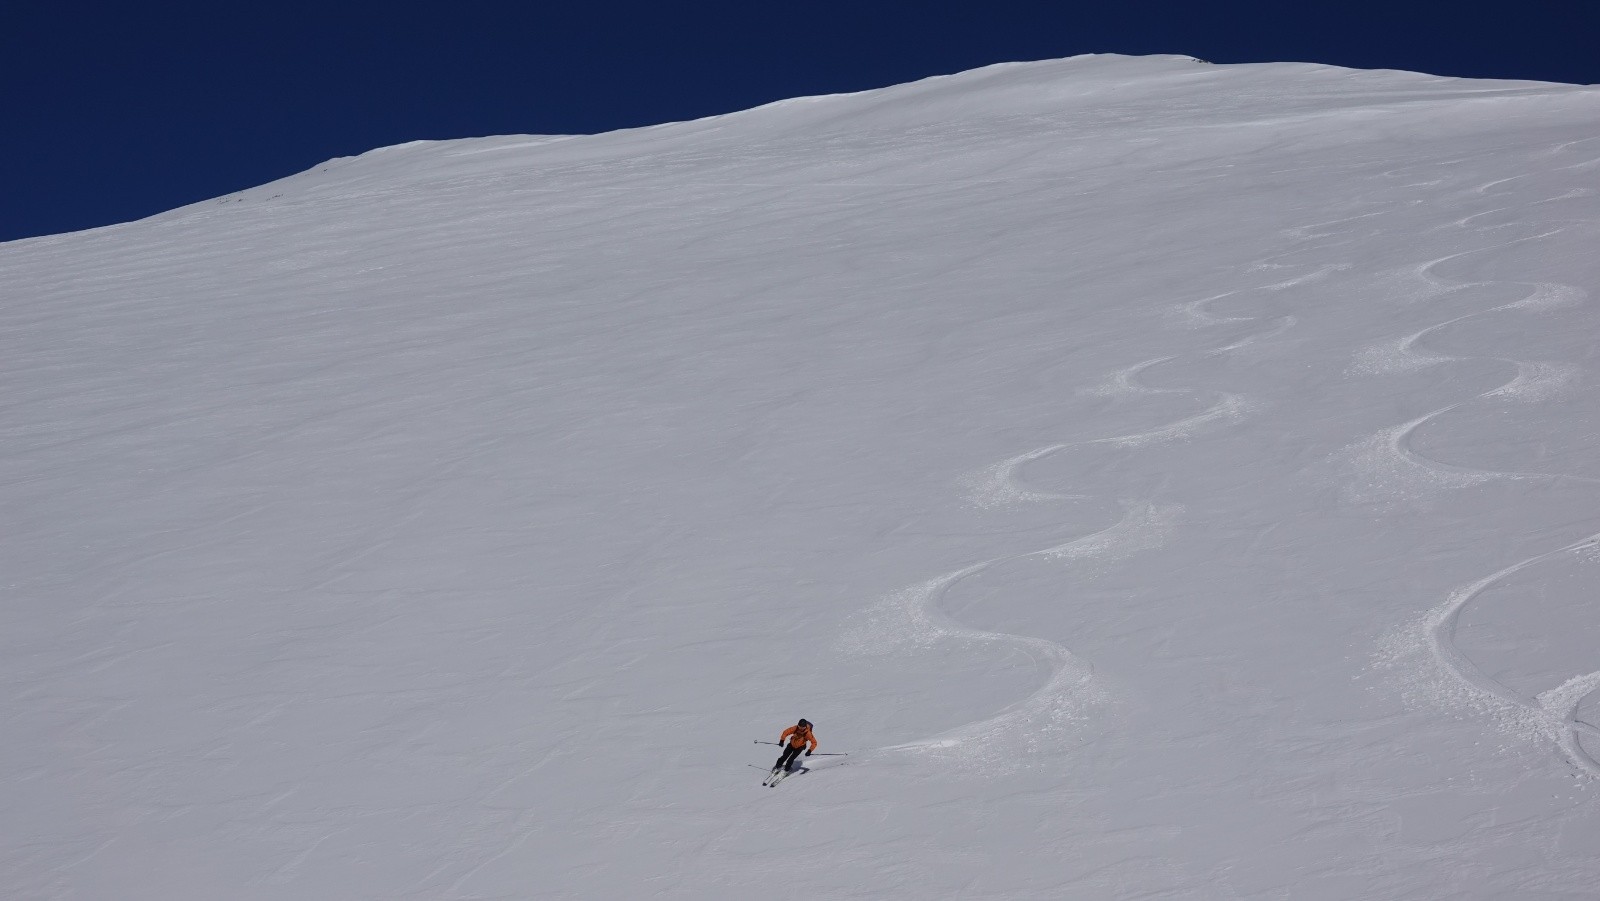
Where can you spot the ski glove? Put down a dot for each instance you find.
(808, 753)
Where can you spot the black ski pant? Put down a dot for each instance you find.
(787, 758)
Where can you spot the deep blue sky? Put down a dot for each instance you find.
(114, 111)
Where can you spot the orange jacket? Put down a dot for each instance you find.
(801, 737)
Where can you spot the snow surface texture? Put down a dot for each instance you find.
(1164, 480)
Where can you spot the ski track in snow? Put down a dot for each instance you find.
(1462, 684)
(1000, 485)
(1392, 470)
(1388, 469)
(914, 618)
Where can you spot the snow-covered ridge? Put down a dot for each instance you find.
(1162, 479)
(1108, 92)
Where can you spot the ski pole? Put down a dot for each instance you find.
(760, 742)
(834, 754)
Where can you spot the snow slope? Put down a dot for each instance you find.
(1164, 480)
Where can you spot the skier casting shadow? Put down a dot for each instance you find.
(793, 740)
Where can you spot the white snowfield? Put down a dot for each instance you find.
(1164, 480)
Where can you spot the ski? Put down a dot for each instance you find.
(786, 774)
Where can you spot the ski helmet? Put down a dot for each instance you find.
(805, 724)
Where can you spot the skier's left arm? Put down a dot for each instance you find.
(812, 741)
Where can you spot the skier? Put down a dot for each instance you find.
(793, 739)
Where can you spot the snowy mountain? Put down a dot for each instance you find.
(1161, 479)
